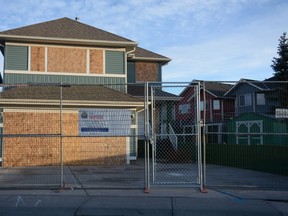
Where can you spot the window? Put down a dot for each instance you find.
(245, 100)
(202, 105)
(184, 108)
(216, 104)
(260, 98)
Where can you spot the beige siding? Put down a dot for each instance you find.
(37, 58)
(67, 60)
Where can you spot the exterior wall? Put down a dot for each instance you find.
(147, 71)
(36, 149)
(56, 60)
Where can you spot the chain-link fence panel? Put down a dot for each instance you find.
(175, 129)
(89, 136)
(245, 137)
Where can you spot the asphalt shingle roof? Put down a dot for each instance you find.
(65, 28)
(70, 92)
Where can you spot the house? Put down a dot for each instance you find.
(70, 52)
(215, 109)
(91, 127)
(255, 121)
(253, 96)
(67, 51)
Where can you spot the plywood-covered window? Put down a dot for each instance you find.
(96, 61)
(67, 60)
(37, 58)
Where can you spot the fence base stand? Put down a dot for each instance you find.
(203, 190)
(146, 190)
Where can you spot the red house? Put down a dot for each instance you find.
(214, 107)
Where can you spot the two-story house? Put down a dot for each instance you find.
(70, 52)
(255, 121)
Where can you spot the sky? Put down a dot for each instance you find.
(220, 40)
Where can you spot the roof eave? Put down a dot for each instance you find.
(8, 103)
(164, 60)
(32, 39)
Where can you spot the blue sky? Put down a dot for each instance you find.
(206, 39)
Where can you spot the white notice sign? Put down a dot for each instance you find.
(104, 122)
(281, 113)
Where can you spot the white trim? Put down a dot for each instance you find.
(40, 110)
(70, 41)
(63, 73)
(88, 61)
(29, 58)
(66, 46)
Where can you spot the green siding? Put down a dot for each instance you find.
(114, 62)
(39, 78)
(159, 73)
(273, 130)
(131, 72)
(16, 57)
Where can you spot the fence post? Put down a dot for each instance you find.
(61, 141)
(147, 135)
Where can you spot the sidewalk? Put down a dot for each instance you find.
(160, 201)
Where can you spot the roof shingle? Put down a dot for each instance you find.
(65, 28)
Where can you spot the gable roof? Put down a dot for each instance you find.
(260, 85)
(64, 30)
(97, 95)
(216, 89)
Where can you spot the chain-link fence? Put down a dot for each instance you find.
(134, 136)
(245, 133)
(71, 136)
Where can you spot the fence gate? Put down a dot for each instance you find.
(175, 145)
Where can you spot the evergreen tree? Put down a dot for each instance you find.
(280, 64)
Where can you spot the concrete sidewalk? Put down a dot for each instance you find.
(160, 201)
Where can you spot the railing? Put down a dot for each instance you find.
(173, 137)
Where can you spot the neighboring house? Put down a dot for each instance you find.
(217, 108)
(253, 96)
(255, 117)
(67, 51)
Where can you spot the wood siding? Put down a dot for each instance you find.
(67, 60)
(96, 62)
(37, 58)
(45, 151)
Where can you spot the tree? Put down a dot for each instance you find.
(280, 64)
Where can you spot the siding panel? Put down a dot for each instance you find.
(16, 57)
(114, 62)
